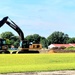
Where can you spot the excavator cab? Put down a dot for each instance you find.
(3, 45)
(24, 45)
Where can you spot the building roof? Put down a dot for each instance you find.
(59, 45)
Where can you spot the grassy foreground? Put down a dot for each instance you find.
(36, 62)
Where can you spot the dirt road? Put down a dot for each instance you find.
(68, 72)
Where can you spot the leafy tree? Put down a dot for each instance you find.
(66, 38)
(10, 38)
(36, 38)
(16, 44)
(7, 35)
(58, 37)
(12, 41)
(71, 40)
(8, 41)
(44, 42)
(15, 41)
(29, 38)
(14, 38)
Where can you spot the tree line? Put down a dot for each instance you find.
(56, 37)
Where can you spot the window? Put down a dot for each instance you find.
(4, 42)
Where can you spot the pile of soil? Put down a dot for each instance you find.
(61, 51)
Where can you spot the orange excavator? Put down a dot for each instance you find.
(25, 46)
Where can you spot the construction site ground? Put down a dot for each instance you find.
(65, 72)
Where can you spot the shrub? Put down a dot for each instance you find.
(70, 48)
(62, 47)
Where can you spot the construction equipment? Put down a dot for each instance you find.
(25, 46)
(3, 46)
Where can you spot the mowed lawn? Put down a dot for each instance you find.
(36, 62)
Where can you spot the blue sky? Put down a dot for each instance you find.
(41, 17)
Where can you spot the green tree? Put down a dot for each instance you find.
(44, 42)
(29, 38)
(14, 38)
(11, 38)
(7, 35)
(71, 40)
(58, 37)
(8, 41)
(15, 41)
(16, 44)
(12, 42)
(36, 38)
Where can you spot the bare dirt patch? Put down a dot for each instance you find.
(67, 72)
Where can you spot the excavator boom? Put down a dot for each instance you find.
(3, 21)
(12, 25)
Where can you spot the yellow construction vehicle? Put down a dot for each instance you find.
(25, 46)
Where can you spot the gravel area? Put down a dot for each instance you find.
(67, 72)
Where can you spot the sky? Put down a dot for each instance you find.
(41, 17)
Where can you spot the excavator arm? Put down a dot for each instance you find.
(12, 25)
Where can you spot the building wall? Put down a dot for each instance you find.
(51, 46)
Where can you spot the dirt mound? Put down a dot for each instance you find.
(52, 51)
(61, 51)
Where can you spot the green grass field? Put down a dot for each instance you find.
(36, 62)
